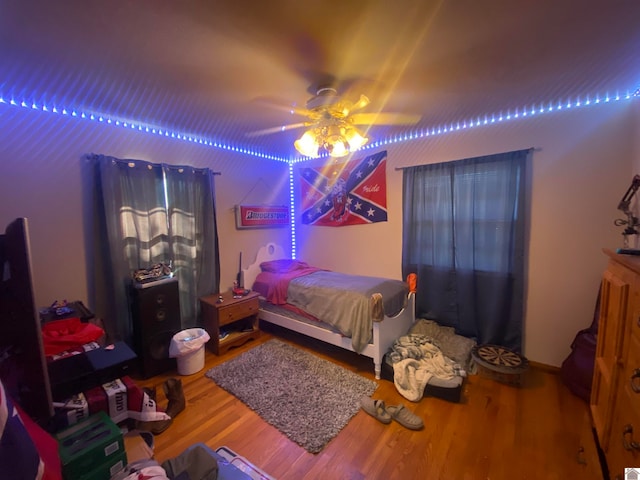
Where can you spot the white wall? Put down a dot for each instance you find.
(580, 169)
(44, 177)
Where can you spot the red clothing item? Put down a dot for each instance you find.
(61, 335)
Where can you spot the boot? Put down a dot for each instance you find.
(155, 427)
(173, 391)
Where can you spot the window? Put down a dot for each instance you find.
(463, 234)
(152, 213)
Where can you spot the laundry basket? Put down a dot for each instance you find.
(187, 347)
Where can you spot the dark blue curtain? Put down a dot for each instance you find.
(463, 235)
(147, 214)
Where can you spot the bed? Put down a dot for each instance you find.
(371, 335)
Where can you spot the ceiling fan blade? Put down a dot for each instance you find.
(283, 128)
(284, 106)
(384, 118)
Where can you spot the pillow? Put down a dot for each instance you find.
(283, 265)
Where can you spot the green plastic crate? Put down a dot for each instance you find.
(88, 445)
(107, 469)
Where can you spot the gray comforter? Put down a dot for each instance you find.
(347, 302)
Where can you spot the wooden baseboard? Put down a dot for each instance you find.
(544, 367)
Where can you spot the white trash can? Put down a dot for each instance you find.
(187, 347)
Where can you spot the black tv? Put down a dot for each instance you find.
(23, 365)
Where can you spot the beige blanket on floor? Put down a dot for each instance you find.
(415, 361)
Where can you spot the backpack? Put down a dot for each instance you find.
(576, 372)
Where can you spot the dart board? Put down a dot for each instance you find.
(500, 363)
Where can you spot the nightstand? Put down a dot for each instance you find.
(238, 317)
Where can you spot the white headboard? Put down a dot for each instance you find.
(270, 251)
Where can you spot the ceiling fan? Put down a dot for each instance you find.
(332, 125)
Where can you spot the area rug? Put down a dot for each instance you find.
(307, 398)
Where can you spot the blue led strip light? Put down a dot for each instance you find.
(484, 120)
(292, 207)
(139, 126)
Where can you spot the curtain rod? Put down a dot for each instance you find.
(94, 156)
(534, 149)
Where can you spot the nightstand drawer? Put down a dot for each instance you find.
(238, 311)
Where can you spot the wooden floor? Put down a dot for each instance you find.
(536, 431)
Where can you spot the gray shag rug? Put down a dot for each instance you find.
(307, 398)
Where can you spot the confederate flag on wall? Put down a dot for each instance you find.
(349, 193)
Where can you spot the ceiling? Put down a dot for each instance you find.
(203, 67)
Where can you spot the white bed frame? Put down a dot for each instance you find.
(385, 332)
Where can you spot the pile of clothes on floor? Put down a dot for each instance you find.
(431, 360)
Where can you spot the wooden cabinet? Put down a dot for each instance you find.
(237, 318)
(615, 395)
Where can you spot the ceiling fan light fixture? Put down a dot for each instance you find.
(308, 144)
(332, 124)
(338, 140)
(355, 138)
(337, 147)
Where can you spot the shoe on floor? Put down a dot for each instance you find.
(156, 427)
(404, 417)
(172, 388)
(376, 409)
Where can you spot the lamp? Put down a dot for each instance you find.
(336, 136)
(631, 222)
